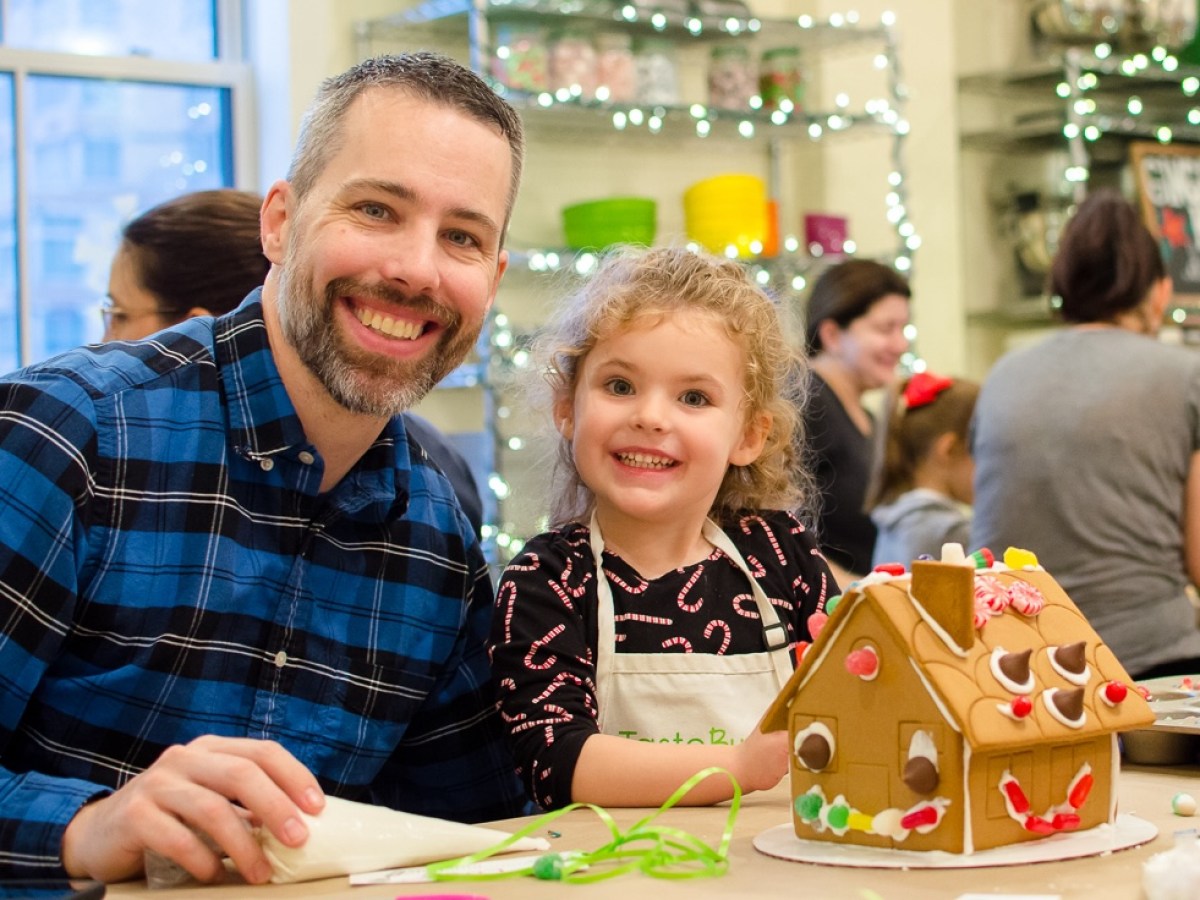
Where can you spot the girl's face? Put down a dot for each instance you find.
(657, 418)
(870, 347)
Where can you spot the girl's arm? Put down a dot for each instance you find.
(617, 771)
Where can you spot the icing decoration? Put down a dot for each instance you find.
(1012, 670)
(923, 388)
(1183, 805)
(657, 850)
(1066, 706)
(1114, 692)
(1063, 817)
(816, 622)
(982, 558)
(1016, 558)
(890, 568)
(863, 662)
(814, 746)
(1070, 661)
(1018, 709)
(953, 553)
(839, 816)
(921, 771)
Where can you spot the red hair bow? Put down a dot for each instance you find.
(924, 388)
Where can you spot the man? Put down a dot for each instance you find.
(225, 585)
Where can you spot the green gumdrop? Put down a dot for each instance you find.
(832, 603)
(808, 806)
(838, 816)
(548, 867)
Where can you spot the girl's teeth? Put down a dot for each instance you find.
(642, 461)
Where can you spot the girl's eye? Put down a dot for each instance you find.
(694, 398)
(619, 386)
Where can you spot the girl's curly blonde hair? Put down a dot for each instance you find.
(633, 285)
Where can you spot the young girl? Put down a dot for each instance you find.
(641, 638)
(924, 492)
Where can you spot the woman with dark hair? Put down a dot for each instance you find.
(854, 335)
(1087, 445)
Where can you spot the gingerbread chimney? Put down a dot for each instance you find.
(946, 591)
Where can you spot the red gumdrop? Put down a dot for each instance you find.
(1115, 691)
(1021, 706)
(925, 815)
(862, 662)
(816, 622)
(1079, 793)
(890, 568)
(800, 649)
(1020, 803)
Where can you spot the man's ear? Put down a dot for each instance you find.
(754, 438)
(275, 221)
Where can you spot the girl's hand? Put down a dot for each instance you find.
(761, 761)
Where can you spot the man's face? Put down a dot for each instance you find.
(391, 262)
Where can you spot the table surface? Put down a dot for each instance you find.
(1146, 792)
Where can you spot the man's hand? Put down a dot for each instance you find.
(213, 785)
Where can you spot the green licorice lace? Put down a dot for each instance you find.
(654, 850)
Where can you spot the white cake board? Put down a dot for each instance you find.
(1128, 831)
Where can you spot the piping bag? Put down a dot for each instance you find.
(349, 837)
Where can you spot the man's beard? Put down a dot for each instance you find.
(359, 381)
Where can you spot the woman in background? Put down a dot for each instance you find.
(1087, 446)
(854, 336)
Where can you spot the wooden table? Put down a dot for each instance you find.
(1146, 792)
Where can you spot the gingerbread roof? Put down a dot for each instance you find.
(999, 649)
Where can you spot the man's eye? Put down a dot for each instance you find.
(694, 398)
(374, 210)
(463, 239)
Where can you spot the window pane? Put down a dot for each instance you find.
(175, 29)
(8, 231)
(101, 152)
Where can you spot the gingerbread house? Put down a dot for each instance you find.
(961, 706)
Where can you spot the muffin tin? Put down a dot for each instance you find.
(1174, 739)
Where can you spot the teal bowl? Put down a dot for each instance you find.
(597, 224)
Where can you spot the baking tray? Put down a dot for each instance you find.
(1174, 738)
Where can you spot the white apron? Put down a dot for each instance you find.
(686, 698)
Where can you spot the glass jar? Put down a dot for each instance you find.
(732, 79)
(520, 61)
(657, 72)
(573, 64)
(780, 79)
(616, 72)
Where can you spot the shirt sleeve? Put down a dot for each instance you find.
(456, 742)
(544, 665)
(46, 440)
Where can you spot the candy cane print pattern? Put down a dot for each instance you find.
(539, 644)
(744, 605)
(681, 600)
(713, 626)
(580, 589)
(507, 595)
(678, 642)
(559, 680)
(770, 533)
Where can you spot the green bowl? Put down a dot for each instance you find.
(597, 224)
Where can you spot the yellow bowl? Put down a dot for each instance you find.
(727, 211)
(722, 191)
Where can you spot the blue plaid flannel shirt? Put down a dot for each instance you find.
(168, 569)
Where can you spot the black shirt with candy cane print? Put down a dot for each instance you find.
(544, 629)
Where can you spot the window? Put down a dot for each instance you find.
(107, 107)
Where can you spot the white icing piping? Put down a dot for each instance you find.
(968, 831)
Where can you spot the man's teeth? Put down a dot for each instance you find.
(642, 461)
(397, 328)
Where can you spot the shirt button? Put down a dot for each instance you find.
(307, 458)
(280, 659)
(266, 464)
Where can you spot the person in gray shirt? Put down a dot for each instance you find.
(1087, 446)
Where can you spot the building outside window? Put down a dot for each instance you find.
(107, 107)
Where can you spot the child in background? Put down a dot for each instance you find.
(641, 639)
(924, 493)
